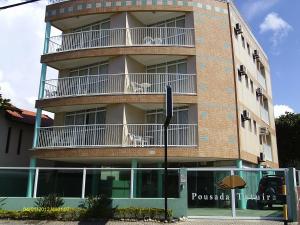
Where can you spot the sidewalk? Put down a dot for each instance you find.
(190, 222)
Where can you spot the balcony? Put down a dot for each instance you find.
(116, 135)
(120, 37)
(108, 84)
(267, 150)
(261, 80)
(264, 113)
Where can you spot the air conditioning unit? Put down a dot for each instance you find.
(242, 70)
(262, 157)
(238, 29)
(264, 131)
(256, 55)
(246, 115)
(259, 92)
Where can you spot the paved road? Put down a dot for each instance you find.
(190, 222)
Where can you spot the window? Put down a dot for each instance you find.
(104, 24)
(243, 41)
(19, 142)
(250, 125)
(248, 48)
(174, 22)
(254, 127)
(180, 116)
(8, 140)
(96, 69)
(251, 85)
(86, 117)
(247, 81)
(179, 66)
(242, 122)
(93, 39)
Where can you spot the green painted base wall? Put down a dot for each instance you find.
(177, 205)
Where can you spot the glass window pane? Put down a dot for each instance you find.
(205, 197)
(93, 70)
(103, 69)
(172, 69)
(151, 71)
(14, 182)
(69, 120)
(96, 27)
(150, 184)
(83, 72)
(64, 183)
(74, 73)
(111, 183)
(91, 118)
(171, 24)
(182, 68)
(180, 23)
(101, 117)
(105, 25)
(262, 196)
(79, 119)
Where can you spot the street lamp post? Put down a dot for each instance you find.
(169, 115)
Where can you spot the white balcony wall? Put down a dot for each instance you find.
(267, 150)
(106, 135)
(262, 81)
(264, 115)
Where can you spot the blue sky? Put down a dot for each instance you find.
(281, 42)
(275, 23)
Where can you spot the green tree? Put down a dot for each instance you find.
(288, 139)
(4, 103)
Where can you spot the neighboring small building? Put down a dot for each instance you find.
(16, 136)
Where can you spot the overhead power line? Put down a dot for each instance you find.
(17, 4)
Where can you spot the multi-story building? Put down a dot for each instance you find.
(114, 59)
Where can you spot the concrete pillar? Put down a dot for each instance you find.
(242, 203)
(160, 174)
(42, 86)
(95, 181)
(134, 164)
(292, 196)
(31, 177)
(183, 191)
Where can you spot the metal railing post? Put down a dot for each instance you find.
(83, 183)
(233, 208)
(36, 180)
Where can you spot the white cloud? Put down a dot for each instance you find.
(21, 45)
(281, 110)
(278, 26)
(252, 8)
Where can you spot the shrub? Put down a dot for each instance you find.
(2, 202)
(77, 214)
(50, 201)
(63, 214)
(98, 207)
(141, 213)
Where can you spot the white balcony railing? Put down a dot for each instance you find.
(267, 150)
(261, 80)
(139, 36)
(264, 113)
(134, 83)
(116, 135)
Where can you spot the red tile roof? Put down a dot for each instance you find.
(28, 117)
